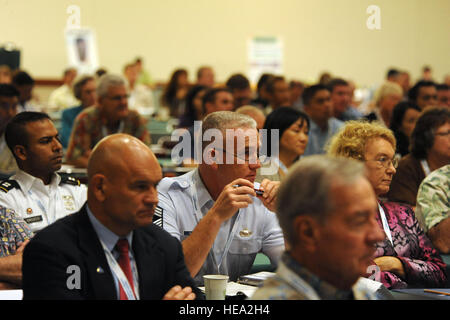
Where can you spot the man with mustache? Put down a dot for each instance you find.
(214, 210)
(36, 192)
(109, 115)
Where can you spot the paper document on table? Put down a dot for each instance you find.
(11, 294)
(255, 279)
(233, 288)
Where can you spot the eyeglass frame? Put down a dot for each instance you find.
(246, 161)
(386, 163)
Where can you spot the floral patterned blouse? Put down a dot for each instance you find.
(422, 263)
(13, 232)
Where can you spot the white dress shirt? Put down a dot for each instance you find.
(38, 204)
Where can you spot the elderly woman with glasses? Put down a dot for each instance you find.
(406, 258)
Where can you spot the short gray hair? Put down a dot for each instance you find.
(106, 81)
(223, 120)
(306, 190)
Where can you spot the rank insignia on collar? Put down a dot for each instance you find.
(7, 185)
(29, 211)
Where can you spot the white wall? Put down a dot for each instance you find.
(318, 35)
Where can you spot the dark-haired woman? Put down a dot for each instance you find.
(430, 150)
(293, 129)
(404, 118)
(175, 93)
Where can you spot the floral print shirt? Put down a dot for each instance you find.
(13, 232)
(421, 261)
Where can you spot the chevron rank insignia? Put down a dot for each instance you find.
(158, 216)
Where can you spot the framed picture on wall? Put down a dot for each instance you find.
(82, 50)
(265, 55)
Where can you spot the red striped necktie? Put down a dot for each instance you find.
(124, 262)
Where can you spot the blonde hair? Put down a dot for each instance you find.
(351, 140)
(386, 89)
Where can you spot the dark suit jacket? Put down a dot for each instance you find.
(73, 241)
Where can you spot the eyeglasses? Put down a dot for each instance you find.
(119, 97)
(385, 162)
(443, 134)
(248, 157)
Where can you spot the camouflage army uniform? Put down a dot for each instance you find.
(433, 198)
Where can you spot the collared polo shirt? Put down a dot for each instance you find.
(178, 199)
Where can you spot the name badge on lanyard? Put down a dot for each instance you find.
(386, 229)
(117, 270)
(198, 216)
(425, 167)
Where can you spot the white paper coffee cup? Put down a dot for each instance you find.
(215, 286)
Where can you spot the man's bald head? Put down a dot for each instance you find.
(115, 152)
(122, 176)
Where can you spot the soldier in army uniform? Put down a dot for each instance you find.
(36, 192)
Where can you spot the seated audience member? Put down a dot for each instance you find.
(119, 253)
(240, 88)
(100, 72)
(392, 75)
(194, 107)
(141, 97)
(214, 210)
(36, 192)
(110, 115)
(5, 74)
(9, 97)
(262, 96)
(293, 129)
(205, 76)
(24, 83)
(427, 74)
(404, 80)
(85, 91)
(254, 112)
(433, 207)
(424, 94)
(341, 99)
(175, 92)
(14, 236)
(295, 93)
(143, 76)
(323, 125)
(406, 257)
(324, 78)
(331, 231)
(404, 118)
(278, 93)
(215, 99)
(443, 95)
(386, 97)
(63, 97)
(430, 150)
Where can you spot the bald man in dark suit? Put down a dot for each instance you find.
(110, 249)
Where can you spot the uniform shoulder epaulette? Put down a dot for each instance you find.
(7, 185)
(70, 180)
